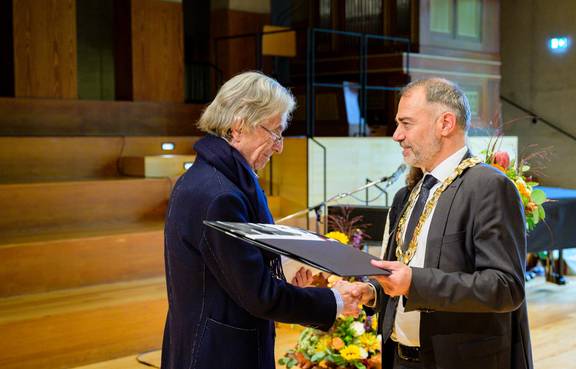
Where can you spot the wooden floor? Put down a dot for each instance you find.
(552, 314)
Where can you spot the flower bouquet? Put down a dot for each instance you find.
(532, 198)
(351, 343)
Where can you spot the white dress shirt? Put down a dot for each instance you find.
(407, 324)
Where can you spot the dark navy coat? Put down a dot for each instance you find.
(223, 298)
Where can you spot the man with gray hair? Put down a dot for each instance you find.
(455, 298)
(224, 294)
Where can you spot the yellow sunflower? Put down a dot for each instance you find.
(351, 353)
(369, 341)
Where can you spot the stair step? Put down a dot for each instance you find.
(36, 208)
(63, 329)
(156, 166)
(49, 262)
(24, 159)
(143, 360)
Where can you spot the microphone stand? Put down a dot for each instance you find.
(317, 208)
(368, 180)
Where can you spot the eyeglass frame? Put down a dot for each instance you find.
(278, 139)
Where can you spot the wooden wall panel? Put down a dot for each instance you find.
(289, 178)
(45, 48)
(157, 54)
(236, 55)
(50, 117)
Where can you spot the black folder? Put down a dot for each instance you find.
(307, 247)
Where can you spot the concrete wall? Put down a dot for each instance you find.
(541, 81)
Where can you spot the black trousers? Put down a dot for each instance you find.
(400, 363)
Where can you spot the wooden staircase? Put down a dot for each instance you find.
(81, 250)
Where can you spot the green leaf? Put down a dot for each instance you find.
(529, 224)
(291, 363)
(339, 360)
(317, 356)
(535, 217)
(538, 196)
(541, 212)
(359, 365)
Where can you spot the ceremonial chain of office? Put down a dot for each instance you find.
(406, 256)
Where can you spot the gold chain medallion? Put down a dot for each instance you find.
(406, 256)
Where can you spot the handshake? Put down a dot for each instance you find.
(358, 293)
(354, 295)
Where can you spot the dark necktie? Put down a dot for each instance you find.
(387, 321)
(427, 183)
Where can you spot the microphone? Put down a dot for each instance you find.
(394, 177)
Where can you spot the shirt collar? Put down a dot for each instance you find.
(446, 168)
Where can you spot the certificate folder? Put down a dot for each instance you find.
(307, 247)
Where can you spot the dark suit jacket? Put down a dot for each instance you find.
(222, 296)
(471, 289)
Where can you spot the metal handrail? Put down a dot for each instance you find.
(363, 74)
(536, 117)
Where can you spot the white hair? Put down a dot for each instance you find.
(249, 98)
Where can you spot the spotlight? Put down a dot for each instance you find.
(168, 146)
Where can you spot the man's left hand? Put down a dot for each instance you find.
(303, 278)
(398, 282)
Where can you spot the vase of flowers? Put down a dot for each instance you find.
(351, 343)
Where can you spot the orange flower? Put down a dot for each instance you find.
(337, 343)
(522, 188)
(498, 167)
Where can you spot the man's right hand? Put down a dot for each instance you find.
(354, 295)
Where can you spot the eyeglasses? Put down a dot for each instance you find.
(275, 136)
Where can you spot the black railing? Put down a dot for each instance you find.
(312, 83)
(537, 118)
